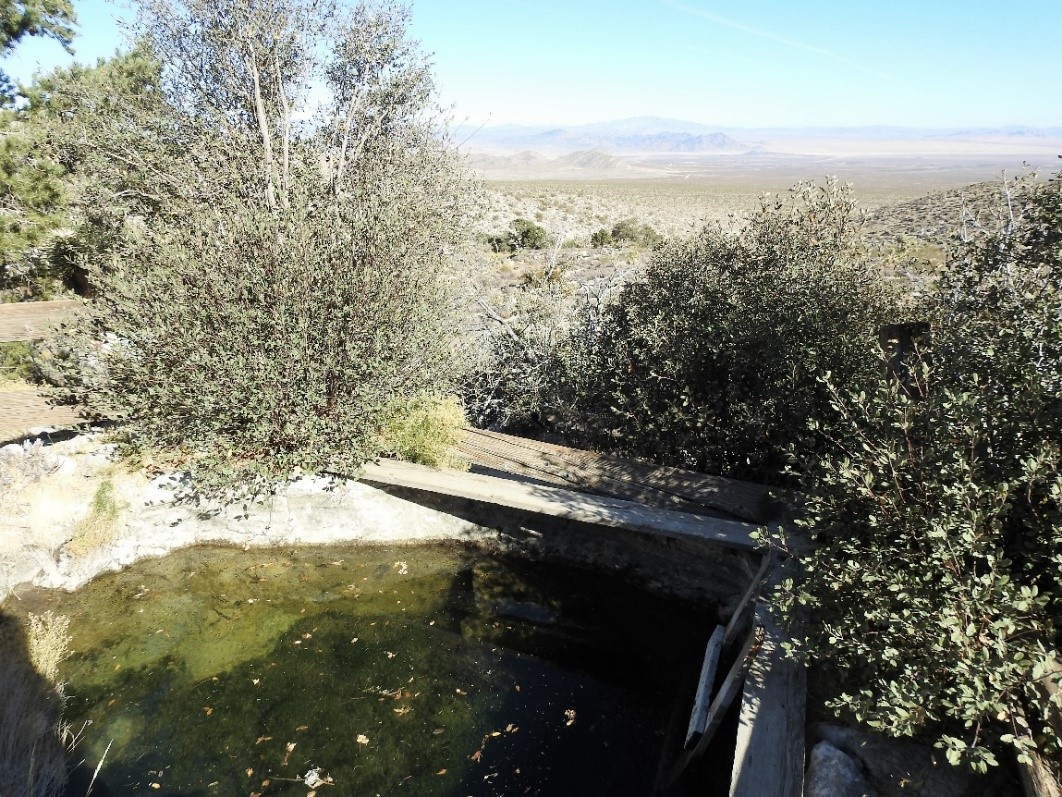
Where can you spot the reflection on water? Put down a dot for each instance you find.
(432, 670)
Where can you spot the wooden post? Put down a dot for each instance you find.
(702, 700)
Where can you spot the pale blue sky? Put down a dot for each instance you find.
(759, 63)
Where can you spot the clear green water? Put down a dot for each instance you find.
(424, 671)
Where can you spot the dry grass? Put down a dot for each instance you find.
(32, 734)
(20, 470)
(100, 526)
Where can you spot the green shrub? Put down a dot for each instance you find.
(936, 583)
(711, 359)
(600, 238)
(629, 231)
(423, 429)
(16, 362)
(528, 235)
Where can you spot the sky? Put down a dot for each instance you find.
(948, 64)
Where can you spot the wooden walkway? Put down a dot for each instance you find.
(32, 320)
(22, 408)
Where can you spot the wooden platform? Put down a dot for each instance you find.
(32, 320)
(22, 409)
(586, 471)
(561, 502)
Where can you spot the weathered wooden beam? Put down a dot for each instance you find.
(728, 691)
(660, 486)
(32, 320)
(559, 502)
(769, 754)
(702, 700)
(739, 621)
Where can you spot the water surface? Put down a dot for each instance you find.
(433, 670)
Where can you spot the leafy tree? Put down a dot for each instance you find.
(276, 282)
(32, 196)
(936, 583)
(19, 18)
(711, 359)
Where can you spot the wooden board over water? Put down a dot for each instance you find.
(663, 487)
(560, 502)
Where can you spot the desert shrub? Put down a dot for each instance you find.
(711, 359)
(528, 235)
(599, 238)
(522, 234)
(274, 285)
(936, 584)
(500, 243)
(423, 429)
(630, 231)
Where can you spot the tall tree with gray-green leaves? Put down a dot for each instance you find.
(288, 200)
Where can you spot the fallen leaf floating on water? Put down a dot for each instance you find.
(441, 772)
(569, 716)
(402, 710)
(476, 755)
(261, 739)
(362, 739)
(510, 728)
(155, 785)
(315, 778)
(208, 710)
(256, 681)
(303, 728)
(248, 772)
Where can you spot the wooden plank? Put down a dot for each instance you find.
(703, 698)
(22, 409)
(32, 320)
(598, 510)
(616, 476)
(728, 691)
(739, 621)
(769, 756)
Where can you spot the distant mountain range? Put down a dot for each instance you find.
(644, 134)
(652, 134)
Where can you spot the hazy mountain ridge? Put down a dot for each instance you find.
(650, 134)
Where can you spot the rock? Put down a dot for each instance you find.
(903, 768)
(832, 773)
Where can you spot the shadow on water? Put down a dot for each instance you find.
(424, 671)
